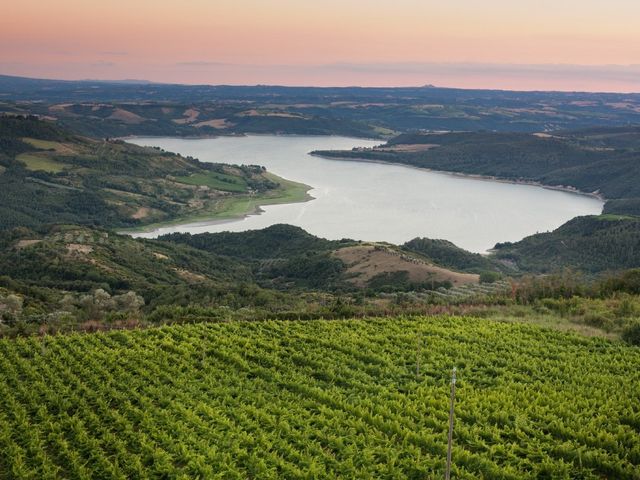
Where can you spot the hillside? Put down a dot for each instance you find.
(63, 276)
(446, 254)
(599, 160)
(289, 257)
(67, 275)
(591, 244)
(328, 399)
(57, 276)
(385, 268)
(281, 256)
(276, 241)
(49, 174)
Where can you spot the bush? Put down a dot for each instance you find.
(631, 334)
(489, 277)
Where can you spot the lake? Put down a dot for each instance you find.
(380, 202)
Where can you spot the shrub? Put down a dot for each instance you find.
(489, 277)
(631, 334)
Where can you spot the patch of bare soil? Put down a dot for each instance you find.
(624, 106)
(61, 107)
(584, 103)
(366, 261)
(26, 243)
(79, 249)
(125, 116)
(190, 115)
(142, 212)
(190, 276)
(219, 123)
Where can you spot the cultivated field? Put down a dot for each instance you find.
(319, 399)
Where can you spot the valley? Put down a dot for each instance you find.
(204, 299)
(338, 240)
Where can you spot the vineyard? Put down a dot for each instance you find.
(319, 399)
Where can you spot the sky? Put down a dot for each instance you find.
(585, 45)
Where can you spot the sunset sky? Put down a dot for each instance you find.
(512, 44)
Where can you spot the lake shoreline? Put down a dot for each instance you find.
(374, 203)
(246, 134)
(293, 192)
(473, 176)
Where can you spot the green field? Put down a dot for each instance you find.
(218, 181)
(319, 399)
(58, 147)
(241, 205)
(38, 162)
(288, 192)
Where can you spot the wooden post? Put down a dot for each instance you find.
(418, 358)
(447, 474)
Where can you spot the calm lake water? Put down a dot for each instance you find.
(377, 202)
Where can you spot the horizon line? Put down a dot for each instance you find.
(132, 81)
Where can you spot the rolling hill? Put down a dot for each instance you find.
(51, 175)
(106, 109)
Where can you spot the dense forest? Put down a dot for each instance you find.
(591, 244)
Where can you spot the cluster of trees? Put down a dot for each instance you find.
(22, 314)
(276, 241)
(446, 254)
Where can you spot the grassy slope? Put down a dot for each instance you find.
(219, 181)
(237, 206)
(286, 192)
(332, 399)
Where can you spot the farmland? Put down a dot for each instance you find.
(319, 399)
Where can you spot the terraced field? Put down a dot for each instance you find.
(319, 399)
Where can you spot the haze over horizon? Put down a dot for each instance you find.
(570, 45)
